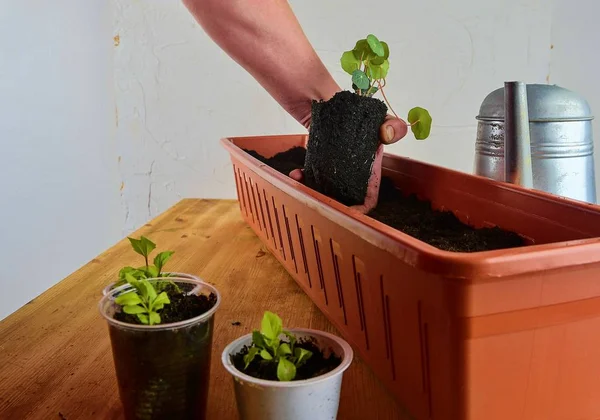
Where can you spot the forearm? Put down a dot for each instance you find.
(265, 38)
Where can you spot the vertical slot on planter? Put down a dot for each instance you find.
(361, 305)
(278, 227)
(237, 187)
(424, 337)
(270, 220)
(389, 348)
(338, 280)
(289, 235)
(248, 196)
(242, 193)
(262, 213)
(255, 206)
(303, 250)
(319, 263)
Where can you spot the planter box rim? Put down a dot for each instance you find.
(459, 265)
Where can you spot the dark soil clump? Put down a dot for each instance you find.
(181, 308)
(343, 139)
(442, 230)
(284, 162)
(316, 365)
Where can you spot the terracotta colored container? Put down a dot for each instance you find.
(508, 334)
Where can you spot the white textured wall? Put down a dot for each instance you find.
(101, 135)
(178, 94)
(59, 180)
(575, 62)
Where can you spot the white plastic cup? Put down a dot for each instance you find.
(310, 399)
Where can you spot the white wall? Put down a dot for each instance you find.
(575, 62)
(70, 145)
(178, 93)
(60, 189)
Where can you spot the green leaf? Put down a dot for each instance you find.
(249, 357)
(126, 270)
(349, 62)
(286, 370)
(375, 45)
(143, 318)
(378, 72)
(161, 259)
(362, 51)
(142, 246)
(421, 122)
(161, 299)
(148, 290)
(284, 350)
(152, 271)
(133, 309)
(386, 50)
(129, 298)
(371, 91)
(258, 339)
(265, 355)
(154, 318)
(377, 61)
(271, 325)
(302, 355)
(360, 79)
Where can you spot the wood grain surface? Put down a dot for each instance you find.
(55, 354)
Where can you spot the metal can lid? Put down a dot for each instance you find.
(546, 103)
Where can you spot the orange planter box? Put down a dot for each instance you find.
(498, 335)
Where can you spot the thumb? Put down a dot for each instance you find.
(392, 130)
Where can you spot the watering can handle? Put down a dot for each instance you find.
(517, 143)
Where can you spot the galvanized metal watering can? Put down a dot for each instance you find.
(538, 136)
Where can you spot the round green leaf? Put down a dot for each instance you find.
(378, 72)
(377, 61)
(360, 79)
(421, 122)
(375, 45)
(386, 50)
(349, 62)
(362, 50)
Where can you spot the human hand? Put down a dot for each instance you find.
(392, 130)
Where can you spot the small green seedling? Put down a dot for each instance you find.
(368, 65)
(267, 345)
(144, 247)
(143, 302)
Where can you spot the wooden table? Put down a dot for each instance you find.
(55, 355)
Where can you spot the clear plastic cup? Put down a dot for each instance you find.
(162, 370)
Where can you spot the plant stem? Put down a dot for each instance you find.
(386, 100)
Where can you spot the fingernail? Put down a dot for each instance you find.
(389, 133)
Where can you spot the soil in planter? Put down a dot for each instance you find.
(284, 162)
(164, 374)
(441, 229)
(343, 139)
(316, 365)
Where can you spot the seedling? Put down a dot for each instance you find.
(144, 247)
(368, 65)
(143, 302)
(267, 345)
